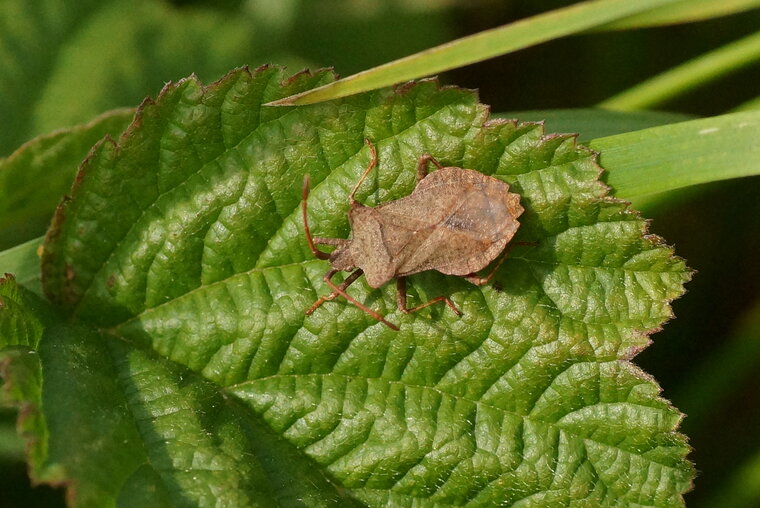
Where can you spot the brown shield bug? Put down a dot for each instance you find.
(456, 221)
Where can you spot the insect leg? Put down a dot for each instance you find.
(422, 166)
(372, 164)
(401, 299)
(341, 290)
(480, 280)
(337, 242)
(346, 282)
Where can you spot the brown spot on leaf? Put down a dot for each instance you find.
(69, 272)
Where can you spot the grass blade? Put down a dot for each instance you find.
(741, 489)
(478, 47)
(692, 74)
(678, 155)
(591, 123)
(708, 386)
(685, 11)
(749, 105)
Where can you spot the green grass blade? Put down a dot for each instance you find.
(678, 155)
(594, 123)
(750, 105)
(692, 74)
(685, 11)
(478, 47)
(709, 385)
(741, 489)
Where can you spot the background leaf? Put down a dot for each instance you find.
(120, 48)
(23, 262)
(123, 50)
(185, 242)
(732, 366)
(36, 176)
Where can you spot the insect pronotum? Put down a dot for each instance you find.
(456, 221)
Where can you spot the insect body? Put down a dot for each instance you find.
(456, 221)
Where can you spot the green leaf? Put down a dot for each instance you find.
(182, 257)
(478, 47)
(27, 206)
(20, 333)
(678, 155)
(697, 72)
(742, 489)
(62, 63)
(731, 365)
(123, 426)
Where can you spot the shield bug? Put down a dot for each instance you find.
(456, 221)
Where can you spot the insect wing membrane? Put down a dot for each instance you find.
(411, 232)
(463, 220)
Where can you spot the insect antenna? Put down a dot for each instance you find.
(372, 164)
(305, 195)
(326, 298)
